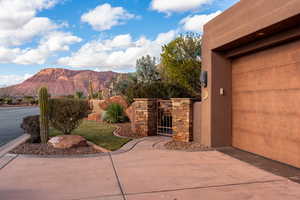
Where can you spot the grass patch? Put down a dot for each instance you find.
(98, 133)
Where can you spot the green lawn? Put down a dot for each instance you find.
(98, 133)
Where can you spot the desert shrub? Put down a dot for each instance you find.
(67, 114)
(70, 96)
(8, 100)
(1, 101)
(31, 125)
(34, 102)
(115, 114)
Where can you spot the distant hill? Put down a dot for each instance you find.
(61, 82)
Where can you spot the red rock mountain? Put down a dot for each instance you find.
(61, 82)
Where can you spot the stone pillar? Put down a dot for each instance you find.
(182, 118)
(145, 117)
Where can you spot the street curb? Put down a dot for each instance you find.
(97, 147)
(126, 148)
(13, 144)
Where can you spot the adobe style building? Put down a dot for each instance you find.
(252, 102)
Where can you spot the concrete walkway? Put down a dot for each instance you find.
(144, 173)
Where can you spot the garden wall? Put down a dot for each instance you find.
(144, 112)
(145, 117)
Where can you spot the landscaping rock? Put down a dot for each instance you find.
(67, 141)
(115, 99)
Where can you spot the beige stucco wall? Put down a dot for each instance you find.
(236, 26)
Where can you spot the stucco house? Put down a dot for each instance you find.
(251, 53)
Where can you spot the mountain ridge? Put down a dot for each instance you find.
(60, 81)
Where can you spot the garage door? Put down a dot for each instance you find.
(266, 103)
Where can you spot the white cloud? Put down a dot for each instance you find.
(18, 21)
(51, 43)
(7, 55)
(119, 53)
(36, 26)
(15, 13)
(54, 42)
(164, 38)
(19, 24)
(7, 80)
(168, 6)
(195, 23)
(104, 17)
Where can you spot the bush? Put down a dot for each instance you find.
(31, 125)
(66, 114)
(8, 101)
(114, 114)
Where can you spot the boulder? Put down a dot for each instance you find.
(67, 141)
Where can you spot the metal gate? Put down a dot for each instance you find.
(164, 117)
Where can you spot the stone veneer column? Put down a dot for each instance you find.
(145, 117)
(182, 118)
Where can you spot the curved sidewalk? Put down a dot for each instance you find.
(141, 173)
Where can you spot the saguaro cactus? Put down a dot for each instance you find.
(44, 119)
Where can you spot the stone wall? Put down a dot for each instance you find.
(145, 120)
(182, 117)
(144, 117)
(165, 105)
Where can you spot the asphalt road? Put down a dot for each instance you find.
(10, 121)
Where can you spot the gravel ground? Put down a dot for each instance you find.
(44, 149)
(186, 146)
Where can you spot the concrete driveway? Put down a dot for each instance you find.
(144, 173)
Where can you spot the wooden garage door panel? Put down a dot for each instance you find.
(266, 103)
(282, 102)
(280, 78)
(261, 60)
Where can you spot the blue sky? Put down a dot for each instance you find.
(99, 35)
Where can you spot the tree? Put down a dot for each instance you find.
(146, 70)
(181, 62)
(121, 86)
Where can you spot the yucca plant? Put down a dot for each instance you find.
(44, 113)
(114, 113)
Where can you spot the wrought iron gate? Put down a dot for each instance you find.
(164, 117)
